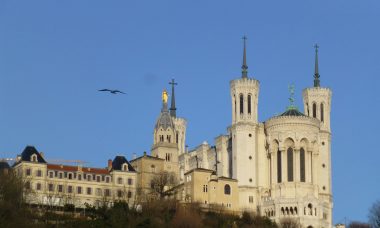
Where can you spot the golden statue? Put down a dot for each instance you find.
(165, 96)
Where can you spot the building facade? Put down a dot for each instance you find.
(59, 185)
(282, 165)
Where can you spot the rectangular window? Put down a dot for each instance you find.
(79, 177)
(70, 176)
(99, 192)
(205, 188)
(39, 173)
(129, 194)
(250, 199)
(103, 178)
(65, 174)
(130, 181)
(60, 188)
(79, 190)
(88, 177)
(70, 189)
(89, 191)
(60, 175)
(98, 178)
(51, 187)
(120, 180)
(28, 172)
(107, 179)
(107, 192)
(39, 186)
(51, 174)
(119, 193)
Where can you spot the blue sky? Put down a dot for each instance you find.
(55, 55)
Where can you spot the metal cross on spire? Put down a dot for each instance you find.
(244, 67)
(173, 109)
(316, 69)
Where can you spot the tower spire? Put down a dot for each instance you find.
(316, 70)
(244, 67)
(173, 109)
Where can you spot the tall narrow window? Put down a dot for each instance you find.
(315, 110)
(322, 117)
(279, 167)
(249, 104)
(235, 106)
(307, 108)
(241, 104)
(290, 164)
(302, 164)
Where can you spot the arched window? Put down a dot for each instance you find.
(302, 165)
(322, 117)
(241, 104)
(125, 167)
(290, 164)
(310, 207)
(279, 177)
(34, 158)
(315, 110)
(227, 189)
(249, 104)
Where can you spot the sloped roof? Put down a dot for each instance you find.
(118, 162)
(28, 152)
(4, 165)
(69, 168)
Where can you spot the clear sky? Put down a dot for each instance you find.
(55, 55)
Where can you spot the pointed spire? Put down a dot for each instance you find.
(173, 109)
(244, 67)
(316, 70)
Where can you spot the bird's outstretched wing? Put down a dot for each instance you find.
(104, 90)
(118, 91)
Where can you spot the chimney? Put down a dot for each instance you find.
(109, 164)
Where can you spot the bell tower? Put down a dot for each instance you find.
(164, 141)
(317, 104)
(243, 131)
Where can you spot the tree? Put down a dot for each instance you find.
(163, 183)
(289, 223)
(355, 224)
(374, 215)
(13, 211)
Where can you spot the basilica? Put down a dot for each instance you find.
(279, 168)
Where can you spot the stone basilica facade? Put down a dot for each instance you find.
(281, 167)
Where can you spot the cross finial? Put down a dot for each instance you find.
(173, 109)
(316, 68)
(244, 67)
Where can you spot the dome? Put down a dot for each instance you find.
(292, 112)
(164, 120)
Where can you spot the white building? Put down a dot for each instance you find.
(282, 165)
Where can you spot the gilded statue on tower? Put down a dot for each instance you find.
(165, 96)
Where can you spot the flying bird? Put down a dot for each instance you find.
(111, 91)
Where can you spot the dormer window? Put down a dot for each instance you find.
(33, 158)
(125, 167)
